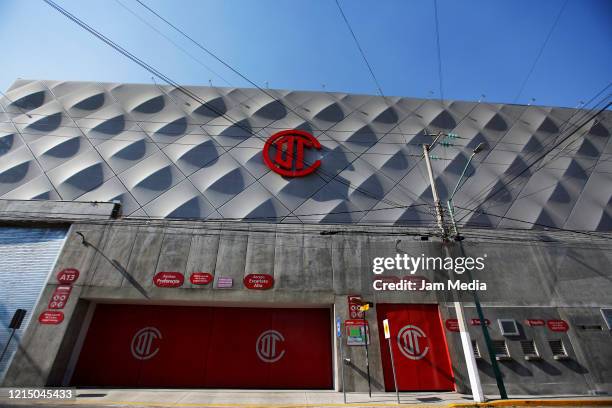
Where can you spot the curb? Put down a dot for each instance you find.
(537, 402)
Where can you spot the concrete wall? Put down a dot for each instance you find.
(529, 274)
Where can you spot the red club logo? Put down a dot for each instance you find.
(289, 158)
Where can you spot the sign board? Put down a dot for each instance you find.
(60, 297)
(225, 282)
(476, 322)
(387, 330)
(284, 153)
(168, 279)
(338, 327)
(535, 322)
(68, 276)
(557, 325)
(200, 278)
(452, 325)
(354, 303)
(51, 317)
(258, 281)
(356, 332)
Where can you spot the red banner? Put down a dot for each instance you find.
(476, 322)
(168, 279)
(535, 322)
(557, 325)
(452, 325)
(258, 281)
(201, 278)
(68, 276)
(60, 297)
(354, 302)
(51, 317)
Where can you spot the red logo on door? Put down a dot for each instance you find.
(268, 346)
(289, 158)
(142, 343)
(412, 342)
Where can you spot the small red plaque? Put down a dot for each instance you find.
(476, 322)
(258, 281)
(51, 317)
(452, 325)
(60, 297)
(535, 322)
(68, 276)
(354, 301)
(168, 279)
(557, 325)
(201, 278)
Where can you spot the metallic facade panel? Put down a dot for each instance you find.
(27, 256)
(166, 155)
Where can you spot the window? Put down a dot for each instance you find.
(529, 350)
(508, 327)
(501, 350)
(558, 349)
(476, 350)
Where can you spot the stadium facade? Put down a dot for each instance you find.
(212, 237)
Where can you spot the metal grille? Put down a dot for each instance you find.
(501, 348)
(27, 256)
(557, 348)
(476, 349)
(529, 348)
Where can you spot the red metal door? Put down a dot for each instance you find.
(167, 346)
(419, 347)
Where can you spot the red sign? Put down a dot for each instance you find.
(476, 322)
(289, 158)
(535, 322)
(201, 278)
(168, 279)
(51, 317)
(259, 281)
(557, 325)
(354, 302)
(60, 297)
(68, 275)
(452, 325)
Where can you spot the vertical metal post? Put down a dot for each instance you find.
(7, 345)
(342, 362)
(365, 331)
(393, 368)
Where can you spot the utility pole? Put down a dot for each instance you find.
(434, 191)
(466, 342)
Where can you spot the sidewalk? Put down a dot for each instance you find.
(289, 399)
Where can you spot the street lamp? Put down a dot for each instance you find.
(449, 203)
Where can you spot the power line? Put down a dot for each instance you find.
(348, 25)
(503, 186)
(185, 91)
(535, 62)
(577, 125)
(437, 24)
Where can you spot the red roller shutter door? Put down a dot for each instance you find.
(422, 362)
(163, 346)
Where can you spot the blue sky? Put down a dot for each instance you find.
(487, 46)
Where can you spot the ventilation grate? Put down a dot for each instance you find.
(476, 349)
(558, 349)
(529, 350)
(501, 350)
